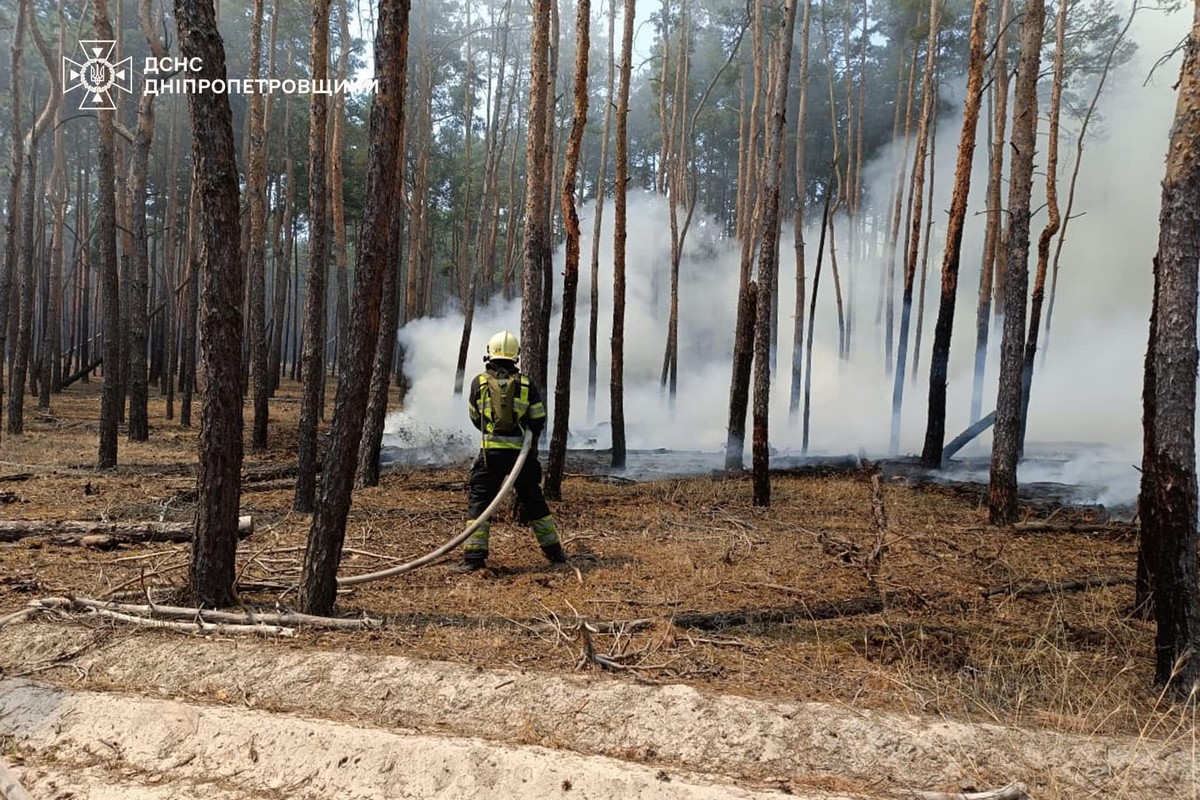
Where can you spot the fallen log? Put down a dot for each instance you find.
(16, 477)
(1091, 528)
(1032, 588)
(721, 620)
(964, 438)
(67, 381)
(103, 535)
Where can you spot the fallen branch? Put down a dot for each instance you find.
(104, 535)
(67, 381)
(1014, 791)
(1032, 588)
(1091, 528)
(9, 619)
(720, 620)
(10, 788)
(196, 626)
(207, 615)
(964, 438)
(16, 477)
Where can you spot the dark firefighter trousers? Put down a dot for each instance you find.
(488, 472)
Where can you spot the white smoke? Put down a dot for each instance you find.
(1086, 396)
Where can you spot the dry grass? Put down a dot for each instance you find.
(1075, 662)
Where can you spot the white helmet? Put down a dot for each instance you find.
(503, 345)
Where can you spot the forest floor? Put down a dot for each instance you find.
(859, 638)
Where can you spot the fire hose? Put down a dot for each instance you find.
(434, 555)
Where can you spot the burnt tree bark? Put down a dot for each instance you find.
(1002, 491)
(939, 363)
(768, 257)
(256, 189)
(211, 575)
(566, 335)
(537, 234)
(318, 587)
(1169, 503)
(620, 202)
(106, 216)
(313, 353)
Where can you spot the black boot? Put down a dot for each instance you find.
(469, 564)
(554, 554)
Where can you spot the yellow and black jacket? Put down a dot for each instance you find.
(528, 411)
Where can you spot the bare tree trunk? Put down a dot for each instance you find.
(12, 231)
(313, 356)
(812, 318)
(318, 587)
(939, 362)
(337, 179)
(187, 372)
(768, 260)
(23, 349)
(594, 308)
(910, 264)
(1002, 493)
(106, 212)
(214, 546)
(1168, 504)
(389, 314)
(1052, 223)
(798, 220)
(256, 189)
(620, 198)
(991, 237)
(916, 368)
(566, 336)
(897, 204)
(537, 236)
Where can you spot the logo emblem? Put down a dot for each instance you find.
(97, 75)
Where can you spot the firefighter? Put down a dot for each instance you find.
(503, 403)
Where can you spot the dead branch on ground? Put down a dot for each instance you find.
(207, 616)
(1032, 588)
(105, 535)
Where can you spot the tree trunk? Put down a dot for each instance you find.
(812, 318)
(798, 221)
(337, 180)
(12, 232)
(1169, 533)
(212, 574)
(566, 336)
(318, 587)
(594, 307)
(106, 212)
(983, 310)
(23, 349)
(928, 91)
(389, 315)
(1052, 223)
(313, 356)
(768, 260)
(256, 190)
(939, 363)
(537, 237)
(1002, 493)
(620, 198)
